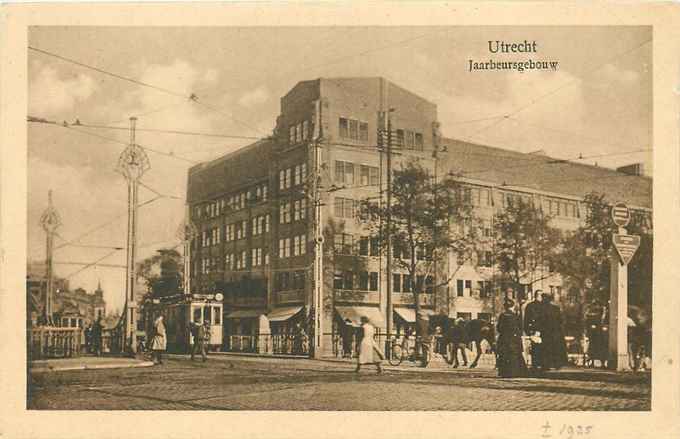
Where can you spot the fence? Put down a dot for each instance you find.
(53, 342)
(280, 344)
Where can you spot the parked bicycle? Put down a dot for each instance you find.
(420, 352)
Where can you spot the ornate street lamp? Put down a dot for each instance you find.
(186, 232)
(50, 221)
(132, 164)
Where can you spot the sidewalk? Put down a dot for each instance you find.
(86, 363)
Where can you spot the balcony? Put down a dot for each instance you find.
(357, 296)
(407, 299)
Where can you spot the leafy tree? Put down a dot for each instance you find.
(429, 221)
(163, 273)
(585, 258)
(525, 243)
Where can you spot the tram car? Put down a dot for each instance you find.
(179, 312)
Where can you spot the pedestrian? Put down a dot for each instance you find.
(369, 352)
(201, 335)
(158, 343)
(347, 338)
(533, 327)
(510, 362)
(554, 350)
(88, 339)
(299, 336)
(458, 340)
(97, 337)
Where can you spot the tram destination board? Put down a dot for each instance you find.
(626, 246)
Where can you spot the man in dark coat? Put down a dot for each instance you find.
(457, 339)
(533, 327)
(554, 349)
(97, 337)
(201, 335)
(347, 338)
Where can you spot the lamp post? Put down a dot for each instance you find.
(186, 233)
(132, 164)
(50, 221)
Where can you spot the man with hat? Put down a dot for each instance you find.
(458, 339)
(533, 327)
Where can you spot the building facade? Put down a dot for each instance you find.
(255, 216)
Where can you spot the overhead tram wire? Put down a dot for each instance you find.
(191, 97)
(33, 119)
(91, 264)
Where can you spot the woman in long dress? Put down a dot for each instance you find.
(158, 343)
(510, 361)
(369, 353)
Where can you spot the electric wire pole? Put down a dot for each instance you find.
(318, 237)
(386, 144)
(132, 164)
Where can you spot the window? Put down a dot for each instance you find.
(464, 315)
(218, 315)
(375, 248)
(207, 314)
(373, 281)
(344, 128)
(344, 207)
(407, 283)
(348, 280)
(305, 130)
(369, 176)
(299, 245)
(284, 248)
(300, 209)
(429, 285)
(410, 139)
(344, 172)
(363, 281)
(300, 174)
(343, 244)
(486, 316)
(468, 287)
(353, 129)
(291, 134)
(363, 131)
(484, 259)
(363, 246)
(400, 138)
(284, 213)
(241, 259)
(229, 232)
(396, 283)
(337, 281)
(419, 142)
(460, 291)
(229, 261)
(241, 229)
(484, 288)
(256, 257)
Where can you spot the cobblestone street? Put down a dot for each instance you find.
(243, 383)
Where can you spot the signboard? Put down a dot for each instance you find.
(621, 214)
(626, 246)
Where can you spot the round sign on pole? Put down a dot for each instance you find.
(621, 214)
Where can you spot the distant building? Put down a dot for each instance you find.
(76, 308)
(255, 218)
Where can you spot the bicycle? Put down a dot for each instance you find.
(403, 351)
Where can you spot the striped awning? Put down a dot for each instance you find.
(354, 314)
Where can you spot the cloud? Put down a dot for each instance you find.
(255, 97)
(50, 94)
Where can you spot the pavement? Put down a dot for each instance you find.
(86, 363)
(229, 382)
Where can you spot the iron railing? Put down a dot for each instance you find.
(54, 342)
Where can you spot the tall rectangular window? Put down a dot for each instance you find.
(353, 129)
(419, 142)
(344, 128)
(373, 281)
(305, 130)
(407, 283)
(363, 131)
(460, 289)
(363, 280)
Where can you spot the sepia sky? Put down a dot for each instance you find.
(598, 102)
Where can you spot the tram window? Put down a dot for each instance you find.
(197, 315)
(218, 315)
(207, 314)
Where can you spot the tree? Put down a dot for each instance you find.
(525, 244)
(430, 220)
(586, 254)
(163, 273)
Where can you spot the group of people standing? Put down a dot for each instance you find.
(93, 337)
(543, 325)
(199, 332)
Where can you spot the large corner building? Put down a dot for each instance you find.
(254, 210)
